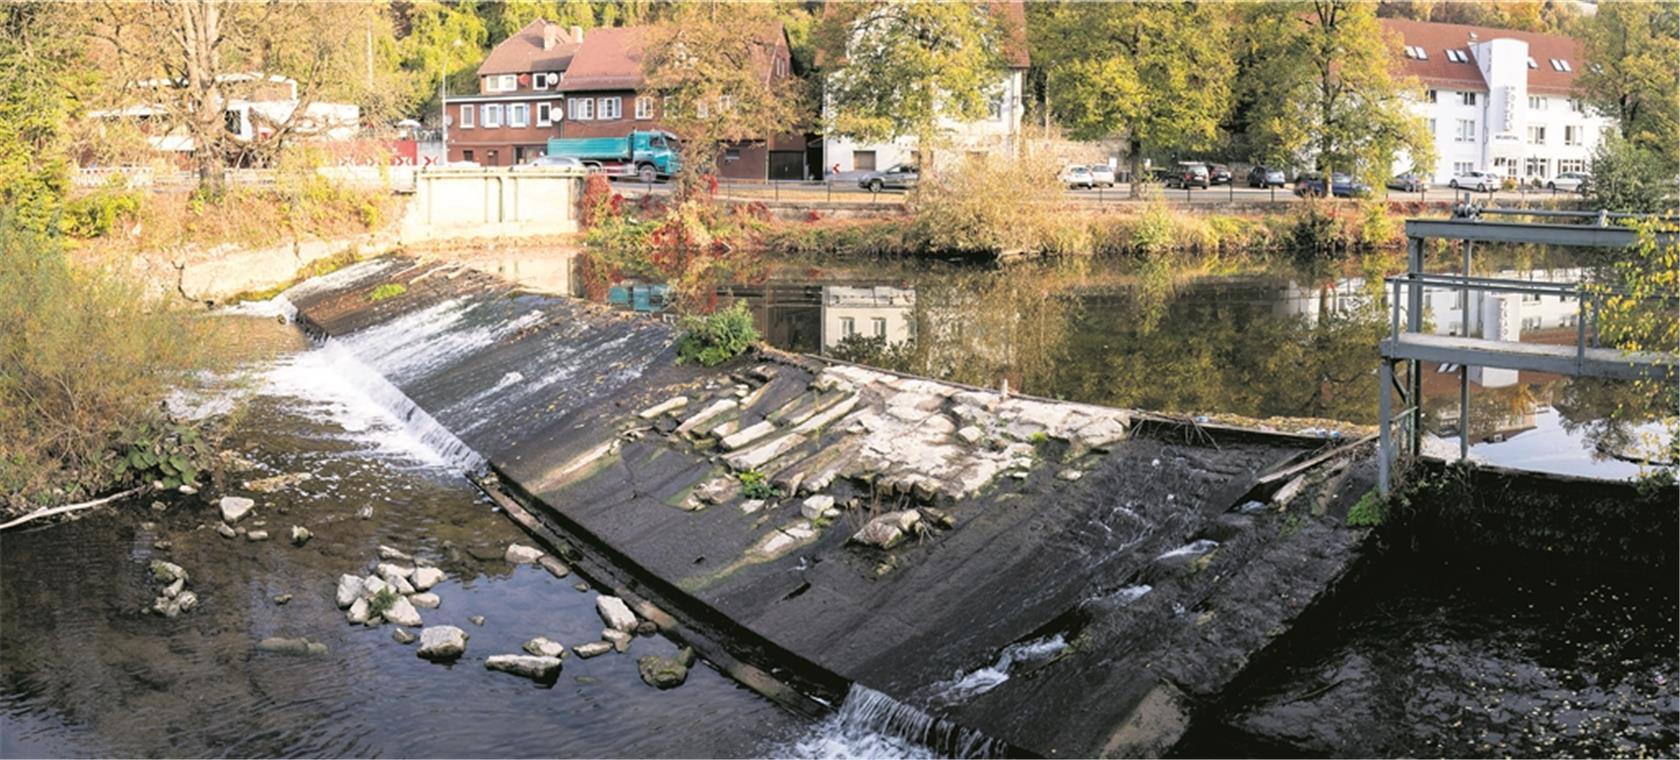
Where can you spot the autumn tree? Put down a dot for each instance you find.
(1316, 84)
(1157, 75)
(719, 75)
(44, 80)
(897, 68)
(1632, 51)
(190, 58)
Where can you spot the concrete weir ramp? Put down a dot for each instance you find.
(982, 573)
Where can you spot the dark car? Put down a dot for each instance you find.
(1219, 174)
(1261, 176)
(901, 177)
(1408, 183)
(1189, 175)
(1341, 186)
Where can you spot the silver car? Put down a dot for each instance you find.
(900, 177)
(1077, 176)
(1102, 174)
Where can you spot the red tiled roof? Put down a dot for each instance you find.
(523, 52)
(611, 58)
(1436, 39)
(1011, 18)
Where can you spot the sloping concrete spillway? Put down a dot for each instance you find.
(1012, 575)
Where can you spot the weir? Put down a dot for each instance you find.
(979, 572)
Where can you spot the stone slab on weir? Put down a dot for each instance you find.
(1010, 548)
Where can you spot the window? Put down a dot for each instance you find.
(1531, 323)
(1532, 64)
(1571, 166)
(1466, 131)
(542, 115)
(509, 83)
(994, 105)
(1461, 168)
(490, 115)
(863, 160)
(644, 108)
(700, 111)
(731, 155)
(848, 327)
(880, 325)
(612, 108)
(1577, 106)
(519, 115)
(1431, 95)
(466, 155)
(1536, 103)
(539, 80)
(780, 67)
(1537, 135)
(1458, 56)
(726, 103)
(1467, 98)
(581, 109)
(1413, 51)
(466, 116)
(1572, 135)
(1535, 167)
(1432, 127)
(1561, 65)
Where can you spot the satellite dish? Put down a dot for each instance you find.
(553, 78)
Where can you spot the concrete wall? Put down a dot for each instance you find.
(492, 202)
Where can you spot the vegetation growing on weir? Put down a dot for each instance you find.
(715, 338)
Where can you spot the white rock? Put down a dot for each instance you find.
(187, 600)
(615, 613)
(257, 535)
(619, 639)
(751, 505)
(301, 535)
(592, 649)
(359, 613)
(743, 437)
(816, 506)
(520, 554)
(529, 666)
(393, 554)
(402, 585)
(970, 434)
(349, 589)
(675, 402)
(426, 577)
(442, 642)
(235, 508)
(542, 646)
(428, 601)
(174, 589)
(389, 570)
(402, 612)
(1070, 474)
(372, 585)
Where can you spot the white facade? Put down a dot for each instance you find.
(997, 133)
(1502, 127)
(879, 311)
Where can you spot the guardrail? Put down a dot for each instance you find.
(395, 178)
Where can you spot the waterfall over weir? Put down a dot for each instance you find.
(870, 724)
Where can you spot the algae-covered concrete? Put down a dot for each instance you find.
(1055, 575)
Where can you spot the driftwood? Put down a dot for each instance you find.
(38, 514)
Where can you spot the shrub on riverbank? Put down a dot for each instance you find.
(84, 364)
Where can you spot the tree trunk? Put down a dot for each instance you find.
(1134, 158)
(197, 31)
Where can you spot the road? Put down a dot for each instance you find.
(847, 191)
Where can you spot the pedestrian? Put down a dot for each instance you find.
(834, 171)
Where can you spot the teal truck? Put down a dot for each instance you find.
(644, 155)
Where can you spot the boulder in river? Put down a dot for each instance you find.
(615, 613)
(542, 646)
(174, 589)
(442, 642)
(257, 535)
(530, 666)
(295, 647)
(403, 636)
(554, 566)
(235, 508)
(426, 577)
(167, 572)
(592, 649)
(349, 589)
(226, 530)
(476, 620)
(816, 506)
(359, 613)
(301, 535)
(282, 599)
(427, 601)
(619, 639)
(373, 584)
(392, 554)
(666, 672)
(389, 570)
(187, 600)
(402, 612)
(401, 585)
(887, 530)
(520, 554)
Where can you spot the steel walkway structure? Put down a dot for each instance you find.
(1408, 348)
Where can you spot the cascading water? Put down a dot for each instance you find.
(969, 685)
(870, 724)
(1193, 549)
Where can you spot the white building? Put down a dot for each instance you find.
(257, 105)
(1498, 100)
(878, 311)
(997, 133)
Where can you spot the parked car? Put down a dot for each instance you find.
(900, 177)
(1575, 182)
(1102, 174)
(1189, 175)
(1161, 174)
(1219, 174)
(1407, 183)
(1077, 176)
(552, 162)
(1262, 177)
(1341, 186)
(1481, 182)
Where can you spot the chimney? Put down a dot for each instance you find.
(577, 34)
(1472, 36)
(551, 35)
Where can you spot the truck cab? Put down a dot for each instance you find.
(655, 154)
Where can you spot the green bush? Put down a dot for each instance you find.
(986, 206)
(755, 486)
(718, 337)
(1368, 512)
(386, 291)
(95, 214)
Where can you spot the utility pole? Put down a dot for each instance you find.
(443, 104)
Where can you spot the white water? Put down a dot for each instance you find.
(1129, 594)
(968, 686)
(1194, 549)
(870, 724)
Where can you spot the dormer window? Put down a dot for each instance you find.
(1559, 64)
(1458, 56)
(507, 82)
(1532, 64)
(1416, 52)
(539, 80)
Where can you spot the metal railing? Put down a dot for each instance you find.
(1586, 298)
